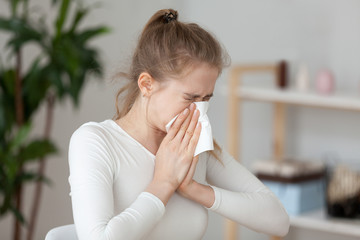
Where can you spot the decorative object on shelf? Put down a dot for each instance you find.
(289, 169)
(302, 78)
(325, 82)
(343, 193)
(299, 185)
(282, 80)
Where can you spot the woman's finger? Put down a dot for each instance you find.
(192, 169)
(184, 127)
(194, 139)
(177, 124)
(190, 130)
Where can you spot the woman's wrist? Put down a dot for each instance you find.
(161, 189)
(199, 193)
(187, 190)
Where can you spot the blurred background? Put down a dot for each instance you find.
(322, 35)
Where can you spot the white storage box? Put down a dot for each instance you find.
(299, 197)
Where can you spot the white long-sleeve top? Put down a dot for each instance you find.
(109, 171)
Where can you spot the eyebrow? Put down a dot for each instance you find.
(197, 96)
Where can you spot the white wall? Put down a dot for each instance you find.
(322, 33)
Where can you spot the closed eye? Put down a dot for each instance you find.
(194, 97)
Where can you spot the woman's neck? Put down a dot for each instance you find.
(137, 126)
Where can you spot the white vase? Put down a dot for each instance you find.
(302, 79)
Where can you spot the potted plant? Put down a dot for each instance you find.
(59, 71)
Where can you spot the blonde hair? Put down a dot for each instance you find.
(169, 48)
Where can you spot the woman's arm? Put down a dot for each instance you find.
(241, 197)
(238, 195)
(91, 180)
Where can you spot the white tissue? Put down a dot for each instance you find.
(205, 142)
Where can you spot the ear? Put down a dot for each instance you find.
(146, 83)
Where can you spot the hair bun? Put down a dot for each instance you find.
(170, 16)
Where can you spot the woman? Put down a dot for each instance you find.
(131, 179)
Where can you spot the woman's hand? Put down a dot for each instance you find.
(185, 188)
(195, 191)
(175, 154)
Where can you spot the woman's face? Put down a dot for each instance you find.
(173, 96)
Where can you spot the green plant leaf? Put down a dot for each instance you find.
(53, 2)
(7, 102)
(5, 24)
(21, 31)
(55, 77)
(35, 86)
(37, 149)
(8, 85)
(61, 17)
(90, 33)
(14, 4)
(21, 38)
(19, 216)
(29, 177)
(20, 136)
(5, 204)
(79, 15)
(11, 167)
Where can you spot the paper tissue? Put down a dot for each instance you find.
(205, 142)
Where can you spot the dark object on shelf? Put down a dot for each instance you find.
(348, 208)
(292, 179)
(289, 170)
(283, 73)
(343, 192)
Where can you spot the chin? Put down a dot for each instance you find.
(161, 128)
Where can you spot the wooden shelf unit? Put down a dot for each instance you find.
(318, 220)
(294, 97)
(280, 98)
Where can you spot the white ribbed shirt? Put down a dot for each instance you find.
(109, 171)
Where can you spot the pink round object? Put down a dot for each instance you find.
(325, 82)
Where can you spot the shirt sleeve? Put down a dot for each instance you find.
(241, 197)
(91, 180)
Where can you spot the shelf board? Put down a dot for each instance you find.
(299, 98)
(318, 220)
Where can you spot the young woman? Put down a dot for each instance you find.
(131, 179)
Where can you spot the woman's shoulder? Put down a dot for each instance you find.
(90, 128)
(94, 131)
(91, 145)
(92, 138)
(106, 133)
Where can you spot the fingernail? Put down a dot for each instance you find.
(192, 106)
(186, 111)
(196, 113)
